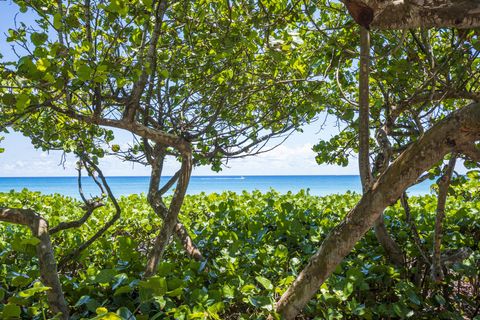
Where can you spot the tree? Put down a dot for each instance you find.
(204, 82)
(461, 129)
(200, 82)
(419, 117)
(46, 258)
(410, 14)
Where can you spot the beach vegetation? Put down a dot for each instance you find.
(254, 245)
(202, 82)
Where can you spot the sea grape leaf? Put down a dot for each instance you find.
(11, 311)
(105, 276)
(264, 282)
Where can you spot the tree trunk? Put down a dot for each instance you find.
(155, 200)
(46, 257)
(180, 231)
(172, 217)
(409, 14)
(391, 248)
(364, 111)
(460, 128)
(389, 245)
(443, 184)
(188, 245)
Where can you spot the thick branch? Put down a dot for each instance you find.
(171, 218)
(471, 151)
(46, 258)
(409, 14)
(459, 128)
(138, 88)
(155, 200)
(363, 128)
(443, 184)
(143, 131)
(391, 248)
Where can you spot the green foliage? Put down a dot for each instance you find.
(213, 61)
(254, 244)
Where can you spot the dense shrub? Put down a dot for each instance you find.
(254, 245)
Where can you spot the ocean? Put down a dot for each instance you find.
(316, 185)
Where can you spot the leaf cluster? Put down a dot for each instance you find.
(254, 245)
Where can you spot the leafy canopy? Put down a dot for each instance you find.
(225, 76)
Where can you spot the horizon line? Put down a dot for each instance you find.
(230, 175)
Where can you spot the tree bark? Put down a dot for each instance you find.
(155, 200)
(443, 184)
(409, 14)
(460, 128)
(46, 257)
(180, 231)
(389, 245)
(172, 216)
(391, 248)
(364, 111)
(472, 152)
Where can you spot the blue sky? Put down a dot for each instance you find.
(294, 157)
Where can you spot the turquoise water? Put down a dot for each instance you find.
(317, 185)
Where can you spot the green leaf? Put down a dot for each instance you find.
(31, 291)
(125, 314)
(57, 21)
(84, 72)
(264, 282)
(43, 64)
(23, 101)
(33, 241)
(398, 310)
(228, 291)
(348, 289)
(164, 73)
(123, 289)
(21, 280)
(440, 299)
(82, 301)
(101, 310)
(11, 311)
(412, 296)
(175, 293)
(196, 315)
(158, 285)
(38, 38)
(105, 276)
(119, 279)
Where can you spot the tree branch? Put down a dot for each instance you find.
(458, 128)
(107, 225)
(409, 14)
(443, 184)
(46, 257)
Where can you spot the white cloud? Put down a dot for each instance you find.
(295, 157)
(283, 160)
